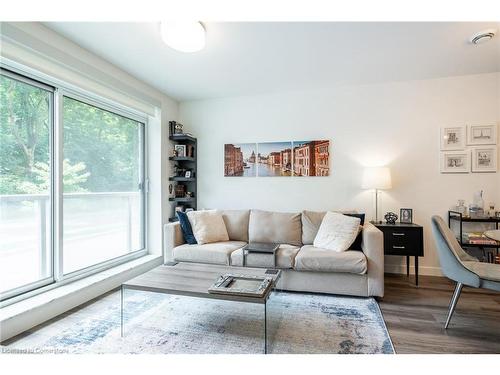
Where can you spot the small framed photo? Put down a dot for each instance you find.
(484, 159)
(406, 215)
(452, 138)
(455, 162)
(482, 135)
(180, 150)
(187, 174)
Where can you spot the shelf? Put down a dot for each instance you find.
(182, 179)
(457, 217)
(466, 244)
(181, 199)
(182, 138)
(181, 158)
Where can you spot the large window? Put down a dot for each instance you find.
(94, 152)
(102, 185)
(25, 183)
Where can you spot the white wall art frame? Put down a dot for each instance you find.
(452, 138)
(482, 135)
(484, 159)
(455, 162)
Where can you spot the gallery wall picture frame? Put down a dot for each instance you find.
(455, 162)
(482, 135)
(452, 138)
(484, 159)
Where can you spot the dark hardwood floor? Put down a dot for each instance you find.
(415, 316)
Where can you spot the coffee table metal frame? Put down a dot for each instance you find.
(150, 282)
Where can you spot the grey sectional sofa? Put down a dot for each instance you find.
(358, 272)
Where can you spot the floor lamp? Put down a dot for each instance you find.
(377, 178)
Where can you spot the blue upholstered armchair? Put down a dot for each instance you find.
(459, 266)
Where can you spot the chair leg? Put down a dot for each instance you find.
(453, 302)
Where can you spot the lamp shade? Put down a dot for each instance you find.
(377, 178)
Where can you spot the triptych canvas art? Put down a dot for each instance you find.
(274, 159)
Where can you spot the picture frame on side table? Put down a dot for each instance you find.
(452, 138)
(482, 135)
(406, 215)
(455, 162)
(484, 159)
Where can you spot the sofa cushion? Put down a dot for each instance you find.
(311, 258)
(187, 231)
(337, 232)
(275, 227)
(285, 257)
(208, 226)
(213, 253)
(236, 224)
(311, 221)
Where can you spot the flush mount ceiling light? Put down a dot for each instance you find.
(483, 36)
(183, 36)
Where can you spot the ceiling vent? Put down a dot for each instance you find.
(483, 36)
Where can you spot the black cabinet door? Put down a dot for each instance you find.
(403, 241)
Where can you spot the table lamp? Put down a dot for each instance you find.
(378, 178)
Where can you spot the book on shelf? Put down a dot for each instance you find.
(477, 238)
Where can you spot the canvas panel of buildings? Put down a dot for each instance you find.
(240, 160)
(311, 158)
(274, 159)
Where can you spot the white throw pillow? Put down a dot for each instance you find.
(208, 226)
(337, 232)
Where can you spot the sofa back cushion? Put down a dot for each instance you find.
(277, 227)
(236, 224)
(311, 220)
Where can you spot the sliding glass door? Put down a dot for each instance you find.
(53, 137)
(26, 129)
(103, 185)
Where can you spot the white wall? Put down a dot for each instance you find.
(395, 124)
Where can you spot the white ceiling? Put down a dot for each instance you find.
(251, 58)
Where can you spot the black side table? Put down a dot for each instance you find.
(404, 239)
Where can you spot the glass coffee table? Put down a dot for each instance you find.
(194, 280)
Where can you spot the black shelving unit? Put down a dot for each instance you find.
(460, 219)
(184, 162)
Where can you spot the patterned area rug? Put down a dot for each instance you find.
(156, 323)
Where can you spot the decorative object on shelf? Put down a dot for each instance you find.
(187, 174)
(390, 218)
(491, 210)
(190, 151)
(476, 208)
(180, 191)
(189, 194)
(482, 135)
(406, 215)
(179, 208)
(377, 178)
(181, 150)
(170, 190)
(484, 159)
(461, 207)
(455, 162)
(498, 215)
(452, 138)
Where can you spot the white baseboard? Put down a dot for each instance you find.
(26, 314)
(422, 270)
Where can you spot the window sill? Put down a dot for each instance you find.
(23, 315)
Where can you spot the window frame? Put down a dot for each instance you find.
(59, 90)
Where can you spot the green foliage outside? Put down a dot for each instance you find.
(101, 149)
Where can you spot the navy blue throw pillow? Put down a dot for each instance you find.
(187, 231)
(356, 245)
